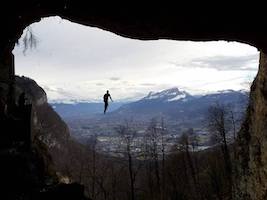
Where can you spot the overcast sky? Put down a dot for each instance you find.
(72, 61)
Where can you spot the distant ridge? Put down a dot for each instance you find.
(171, 103)
(175, 104)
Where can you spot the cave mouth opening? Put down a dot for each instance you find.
(76, 64)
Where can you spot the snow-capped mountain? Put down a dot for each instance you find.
(172, 103)
(173, 94)
(176, 104)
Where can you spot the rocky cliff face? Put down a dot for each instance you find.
(47, 127)
(49, 142)
(251, 178)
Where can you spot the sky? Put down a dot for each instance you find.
(73, 61)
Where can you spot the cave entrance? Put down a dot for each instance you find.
(75, 65)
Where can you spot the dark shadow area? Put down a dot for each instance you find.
(26, 168)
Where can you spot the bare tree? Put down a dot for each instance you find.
(154, 156)
(102, 181)
(153, 138)
(149, 181)
(233, 121)
(127, 135)
(163, 132)
(186, 147)
(220, 125)
(92, 145)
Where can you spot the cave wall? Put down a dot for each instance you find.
(192, 21)
(251, 177)
(158, 20)
(164, 20)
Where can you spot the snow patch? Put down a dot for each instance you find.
(181, 96)
(172, 94)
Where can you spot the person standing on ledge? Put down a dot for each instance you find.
(106, 96)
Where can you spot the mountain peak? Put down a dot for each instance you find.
(173, 89)
(171, 94)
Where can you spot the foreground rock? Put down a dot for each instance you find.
(28, 148)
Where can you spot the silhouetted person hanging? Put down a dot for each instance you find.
(106, 96)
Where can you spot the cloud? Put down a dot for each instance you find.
(100, 60)
(223, 63)
(148, 84)
(114, 78)
(57, 91)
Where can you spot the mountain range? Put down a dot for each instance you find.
(170, 103)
